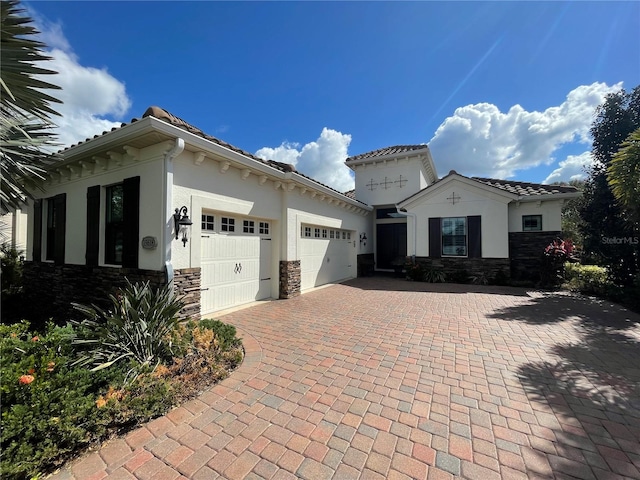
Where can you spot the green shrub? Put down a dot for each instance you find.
(500, 278)
(589, 279)
(140, 326)
(53, 408)
(480, 279)
(459, 276)
(225, 333)
(11, 264)
(48, 406)
(415, 271)
(434, 275)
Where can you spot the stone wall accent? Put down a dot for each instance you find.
(366, 265)
(50, 289)
(290, 278)
(489, 267)
(186, 283)
(525, 251)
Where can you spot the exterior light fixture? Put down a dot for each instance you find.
(182, 224)
(363, 239)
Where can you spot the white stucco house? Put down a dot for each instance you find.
(119, 205)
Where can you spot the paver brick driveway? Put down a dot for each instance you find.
(383, 378)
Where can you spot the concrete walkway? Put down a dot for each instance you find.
(383, 378)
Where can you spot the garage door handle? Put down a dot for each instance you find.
(238, 268)
(204, 289)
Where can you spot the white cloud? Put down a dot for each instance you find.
(322, 160)
(481, 140)
(92, 98)
(573, 168)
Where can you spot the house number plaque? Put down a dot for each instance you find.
(149, 243)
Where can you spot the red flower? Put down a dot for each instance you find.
(26, 379)
(35, 339)
(31, 371)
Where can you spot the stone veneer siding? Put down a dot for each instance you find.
(488, 267)
(186, 283)
(525, 251)
(50, 289)
(290, 280)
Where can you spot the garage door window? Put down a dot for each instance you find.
(316, 232)
(264, 228)
(208, 222)
(248, 226)
(228, 224)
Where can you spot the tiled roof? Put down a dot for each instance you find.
(525, 188)
(351, 194)
(162, 114)
(387, 151)
(168, 117)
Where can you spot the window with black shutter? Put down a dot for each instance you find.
(56, 225)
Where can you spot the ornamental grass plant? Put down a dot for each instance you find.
(66, 388)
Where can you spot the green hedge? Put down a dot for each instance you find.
(589, 279)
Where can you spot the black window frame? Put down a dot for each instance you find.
(264, 228)
(248, 226)
(529, 217)
(228, 224)
(208, 222)
(114, 235)
(443, 235)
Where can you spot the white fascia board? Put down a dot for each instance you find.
(204, 144)
(429, 165)
(246, 162)
(310, 184)
(121, 135)
(549, 197)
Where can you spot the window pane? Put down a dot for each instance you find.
(114, 226)
(454, 236)
(531, 223)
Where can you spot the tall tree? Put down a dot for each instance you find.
(623, 175)
(25, 125)
(604, 227)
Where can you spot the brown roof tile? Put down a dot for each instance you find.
(387, 151)
(525, 188)
(176, 121)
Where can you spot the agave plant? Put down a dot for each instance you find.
(138, 327)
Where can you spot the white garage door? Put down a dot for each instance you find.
(326, 256)
(235, 266)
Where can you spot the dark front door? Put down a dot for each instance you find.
(391, 244)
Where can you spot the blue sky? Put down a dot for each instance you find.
(501, 89)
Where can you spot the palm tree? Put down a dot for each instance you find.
(25, 126)
(623, 174)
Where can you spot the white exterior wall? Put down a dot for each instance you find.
(304, 209)
(492, 208)
(411, 171)
(13, 229)
(550, 210)
(149, 168)
(204, 187)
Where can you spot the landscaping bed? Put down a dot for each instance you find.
(69, 387)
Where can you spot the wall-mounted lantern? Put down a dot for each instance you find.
(363, 239)
(182, 224)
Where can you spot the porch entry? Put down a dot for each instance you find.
(391, 244)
